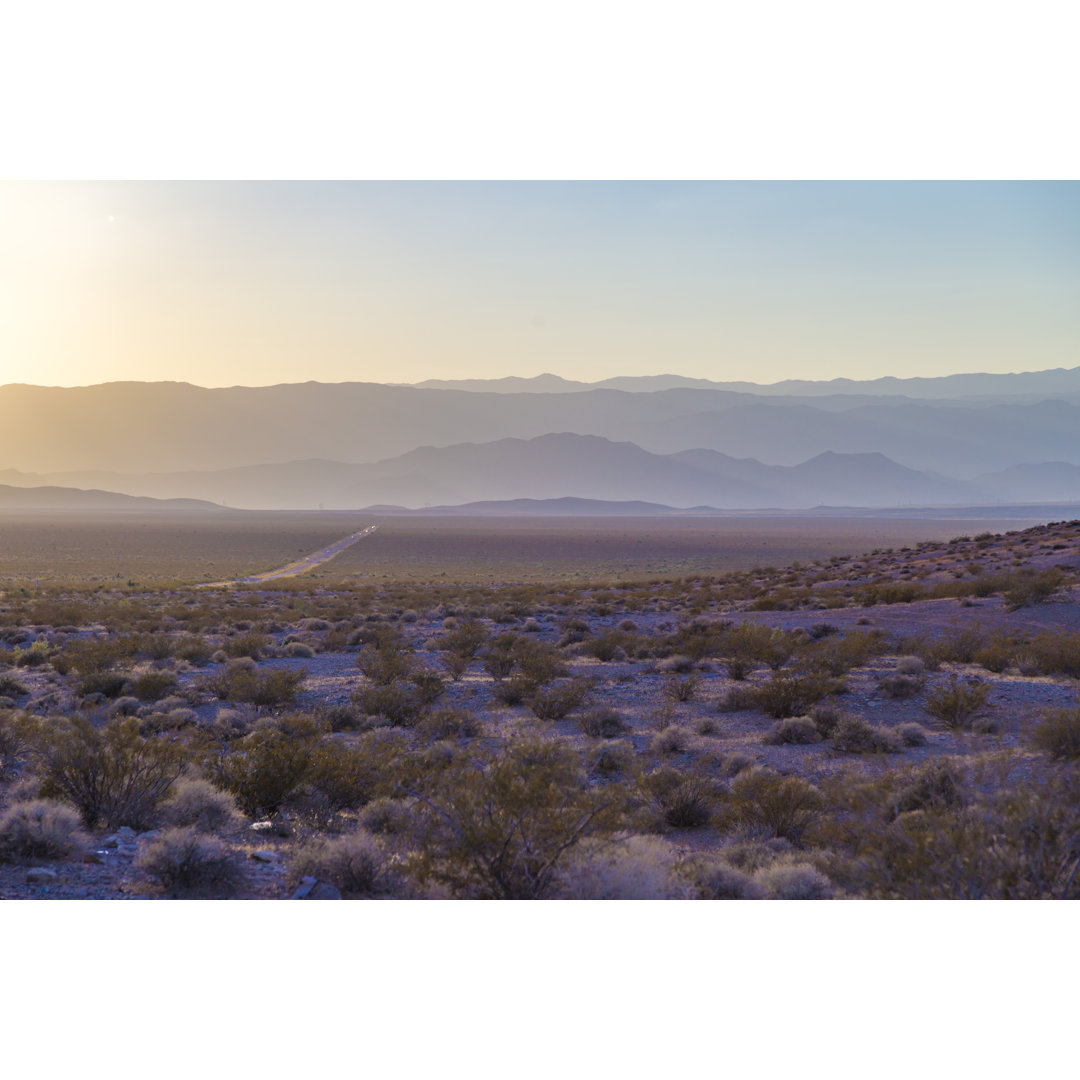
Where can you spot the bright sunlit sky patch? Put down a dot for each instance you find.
(254, 283)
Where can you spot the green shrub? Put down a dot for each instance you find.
(785, 805)
(796, 731)
(790, 695)
(240, 683)
(689, 805)
(398, 704)
(681, 689)
(450, 724)
(112, 775)
(153, 685)
(500, 824)
(263, 769)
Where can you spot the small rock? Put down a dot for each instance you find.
(126, 834)
(40, 875)
(263, 826)
(312, 889)
(111, 842)
(265, 855)
(150, 834)
(98, 857)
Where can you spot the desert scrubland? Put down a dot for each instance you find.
(479, 708)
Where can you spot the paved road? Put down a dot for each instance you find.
(300, 566)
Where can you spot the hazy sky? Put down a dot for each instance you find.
(253, 283)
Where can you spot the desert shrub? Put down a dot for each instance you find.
(297, 649)
(501, 824)
(676, 665)
(385, 663)
(825, 716)
(195, 650)
(688, 805)
(559, 700)
(10, 686)
(511, 691)
(242, 682)
(354, 863)
(938, 785)
(670, 740)
(789, 695)
(717, 880)
(835, 656)
(40, 829)
(738, 699)
(1054, 653)
(900, 687)
(609, 645)
(912, 734)
(1010, 836)
(16, 741)
(188, 863)
(398, 704)
(910, 665)
(794, 881)
(637, 868)
(500, 655)
(854, 735)
(153, 685)
(681, 689)
(387, 817)
(109, 684)
(614, 757)
(955, 703)
(796, 730)
(201, 805)
(785, 805)
(450, 724)
(251, 644)
(1058, 734)
(602, 723)
(427, 686)
(263, 769)
(1028, 588)
(111, 774)
(996, 656)
(537, 662)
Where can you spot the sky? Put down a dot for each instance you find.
(255, 283)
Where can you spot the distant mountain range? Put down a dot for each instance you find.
(65, 498)
(565, 465)
(1053, 383)
(176, 427)
(665, 440)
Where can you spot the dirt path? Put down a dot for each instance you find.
(300, 566)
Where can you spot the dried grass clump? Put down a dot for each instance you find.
(672, 740)
(188, 863)
(910, 665)
(853, 735)
(1058, 734)
(200, 805)
(796, 731)
(387, 817)
(688, 805)
(900, 687)
(355, 864)
(913, 734)
(40, 829)
(603, 723)
(638, 868)
(612, 757)
(955, 703)
(718, 880)
(794, 881)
